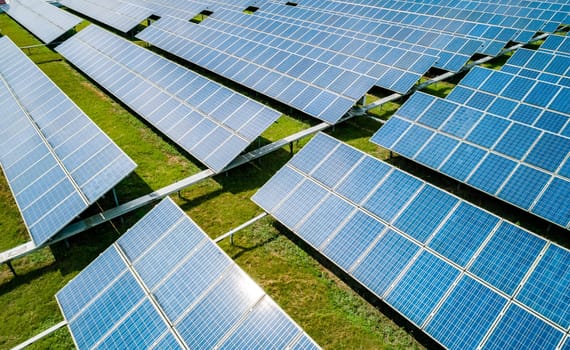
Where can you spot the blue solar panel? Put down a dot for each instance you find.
(436, 150)
(393, 193)
(414, 138)
(461, 122)
(463, 233)
(553, 204)
(282, 183)
(352, 239)
(517, 141)
(488, 131)
(296, 206)
(182, 280)
(549, 152)
(492, 173)
(507, 257)
(422, 287)
(362, 179)
(434, 205)
(389, 133)
(464, 159)
(340, 162)
(196, 117)
(324, 220)
(41, 18)
(519, 329)
(56, 160)
(546, 290)
(387, 258)
(466, 315)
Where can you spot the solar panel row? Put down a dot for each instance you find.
(45, 21)
(165, 284)
(424, 16)
(117, 14)
(558, 44)
(540, 65)
(322, 83)
(452, 52)
(56, 160)
(209, 121)
(466, 277)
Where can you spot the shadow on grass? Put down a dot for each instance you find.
(383, 307)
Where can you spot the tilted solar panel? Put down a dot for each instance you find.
(557, 44)
(118, 14)
(45, 21)
(501, 133)
(452, 52)
(323, 83)
(209, 121)
(543, 65)
(165, 284)
(467, 278)
(56, 160)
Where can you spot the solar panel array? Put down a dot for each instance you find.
(56, 160)
(495, 29)
(120, 15)
(464, 276)
(452, 52)
(45, 21)
(558, 44)
(505, 134)
(165, 285)
(324, 83)
(209, 121)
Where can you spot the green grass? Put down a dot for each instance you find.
(332, 313)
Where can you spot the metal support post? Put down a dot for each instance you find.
(116, 198)
(9, 263)
(291, 148)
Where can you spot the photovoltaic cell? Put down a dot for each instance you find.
(446, 265)
(199, 299)
(515, 150)
(44, 20)
(56, 160)
(195, 116)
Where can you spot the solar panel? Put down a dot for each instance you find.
(45, 21)
(495, 30)
(120, 15)
(56, 160)
(541, 65)
(165, 284)
(557, 44)
(211, 122)
(453, 52)
(498, 153)
(449, 267)
(322, 81)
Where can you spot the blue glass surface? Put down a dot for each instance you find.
(519, 329)
(324, 220)
(542, 94)
(507, 257)
(279, 186)
(336, 165)
(422, 287)
(488, 131)
(527, 178)
(437, 113)
(492, 173)
(475, 77)
(525, 114)
(415, 106)
(138, 331)
(460, 94)
(496, 82)
(518, 88)
(385, 261)
(437, 150)
(392, 195)
(549, 152)
(461, 121)
(425, 213)
(362, 179)
(299, 203)
(414, 138)
(313, 153)
(463, 233)
(264, 328)
(480, 100)
(517, 141)
(463, 160)
(546, 290)
(352, 239)
(554, 204)
(390, 132)
(551, 121)
(466, 315)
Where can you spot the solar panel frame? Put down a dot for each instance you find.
(51, 146)
(385, 266)
(190, 117)
(134, 312)
(42, 19)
